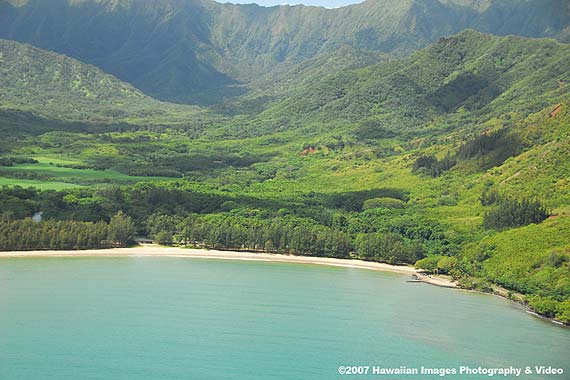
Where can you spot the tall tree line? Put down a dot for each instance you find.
(509, 213)
(281, 235)
(295, 236)
(26, 234)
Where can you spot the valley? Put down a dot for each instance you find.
(398, 142)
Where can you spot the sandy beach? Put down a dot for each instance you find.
(158, 251)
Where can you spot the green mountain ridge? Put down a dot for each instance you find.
(459, 82)
(57, 87)
(200, 51)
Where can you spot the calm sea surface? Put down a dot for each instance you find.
(177, 318)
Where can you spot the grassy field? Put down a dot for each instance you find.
(50, 170)
(43, 185)
(56, 160)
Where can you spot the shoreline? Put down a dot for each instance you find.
(194, 253)
(159, 251)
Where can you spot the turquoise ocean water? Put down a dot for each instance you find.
(178, 318)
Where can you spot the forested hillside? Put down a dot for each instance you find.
(457, 82)
(200, 51)
(57, 87)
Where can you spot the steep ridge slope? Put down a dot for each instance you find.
(459, 81)
(201, 51)
(57, 87)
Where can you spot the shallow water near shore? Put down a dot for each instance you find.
(179, 318)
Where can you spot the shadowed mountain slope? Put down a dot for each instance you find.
(200, 50)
